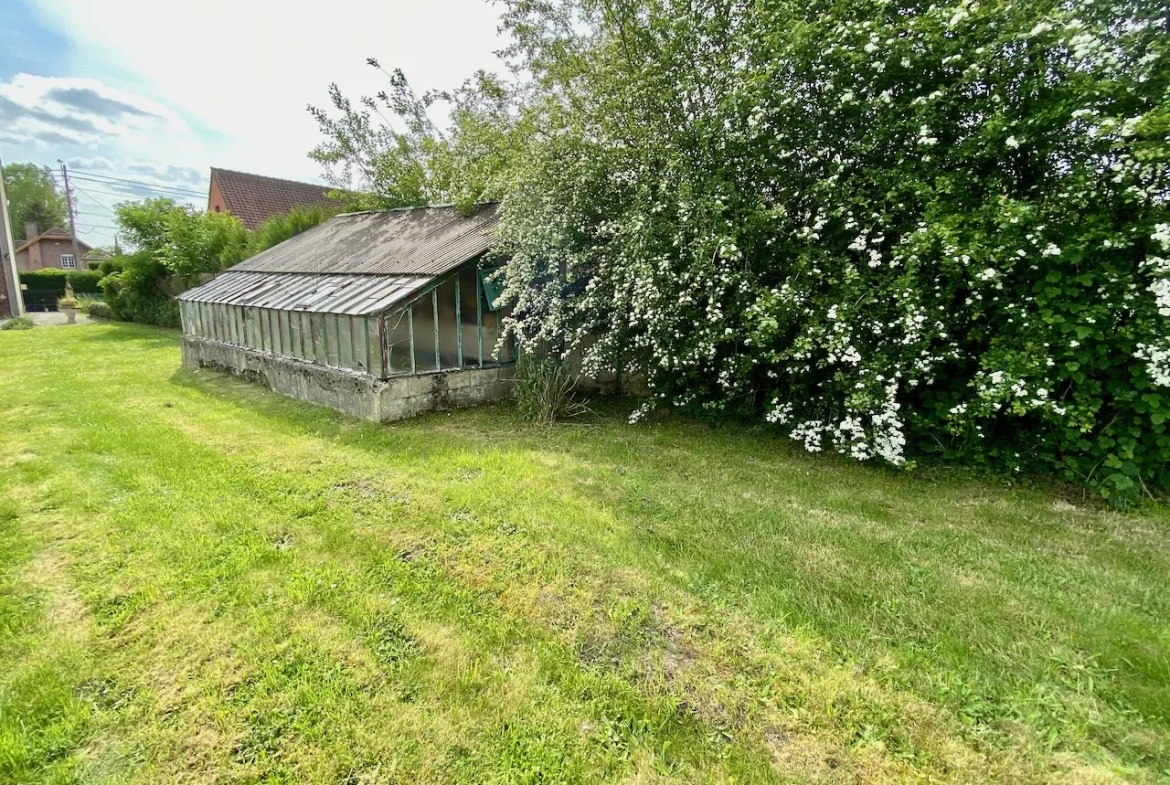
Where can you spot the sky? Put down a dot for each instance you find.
(159, 92)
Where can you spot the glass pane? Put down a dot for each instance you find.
(255, 334)
(448, 326)
(317, 321)
(344, 341)
(374, 345)
(286, 323)
(278, 338)
(468, 300)
(306, 350)
(490, 334)
(357, 329)
(398, 341)
(277, 319)
(424, 335)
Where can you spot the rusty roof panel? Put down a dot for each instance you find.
(355, 295)
(418, 241)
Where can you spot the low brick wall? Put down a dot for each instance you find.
(358, 394)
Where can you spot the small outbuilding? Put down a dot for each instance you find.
(383, 315)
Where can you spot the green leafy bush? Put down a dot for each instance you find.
(85, 281)
(888, 230)
(99, 310)
(138, 291)
(18, 323)
(545, 391)
(86, 301)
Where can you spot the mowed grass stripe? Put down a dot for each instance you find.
(279, 593)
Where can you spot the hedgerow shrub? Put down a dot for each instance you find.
(43, 287)
(138, 292)
(888, 229)
(85, 281)
(99, 310)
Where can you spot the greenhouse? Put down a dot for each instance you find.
(381, 314)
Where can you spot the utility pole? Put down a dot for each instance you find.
(8, 255)
(72, 220)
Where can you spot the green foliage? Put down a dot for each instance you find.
(49, 279)
(176, 247)
(380, 166)
(43, 287)
(98, 309)
(187, 242)
(279, 228)
(33, 196)
(545, 390)
(85, 281)
(140, 290)
(890, 231)
(17, 323)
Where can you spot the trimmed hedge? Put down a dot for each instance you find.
(85, 281)
(43, 288)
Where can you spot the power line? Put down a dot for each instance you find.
(140, 183)
(144, 187)
(95, 201)
(110, 177)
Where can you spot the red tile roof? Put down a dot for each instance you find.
(49, 234)
(254, 198)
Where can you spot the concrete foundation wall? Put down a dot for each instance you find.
(352, 393)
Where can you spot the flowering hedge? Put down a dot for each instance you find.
(889, 230)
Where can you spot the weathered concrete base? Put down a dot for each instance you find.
(353, 393)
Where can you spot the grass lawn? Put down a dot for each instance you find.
(201, 581)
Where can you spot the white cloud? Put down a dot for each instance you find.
(244, 73)
(83, 111)
(161, 92)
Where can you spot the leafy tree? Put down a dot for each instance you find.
(187, 242)
(388, 152)
(174, 245)
(33, 197)
(888, 230)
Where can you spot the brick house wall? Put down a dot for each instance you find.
(215, 202)
(47, 253)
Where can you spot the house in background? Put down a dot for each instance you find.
(383, 315)
(52, 249)
(94, 258)
(254, 199)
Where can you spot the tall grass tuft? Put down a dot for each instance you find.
(17, 323)
(546, 391)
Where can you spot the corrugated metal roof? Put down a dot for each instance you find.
(419, 241)
(356, 295)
